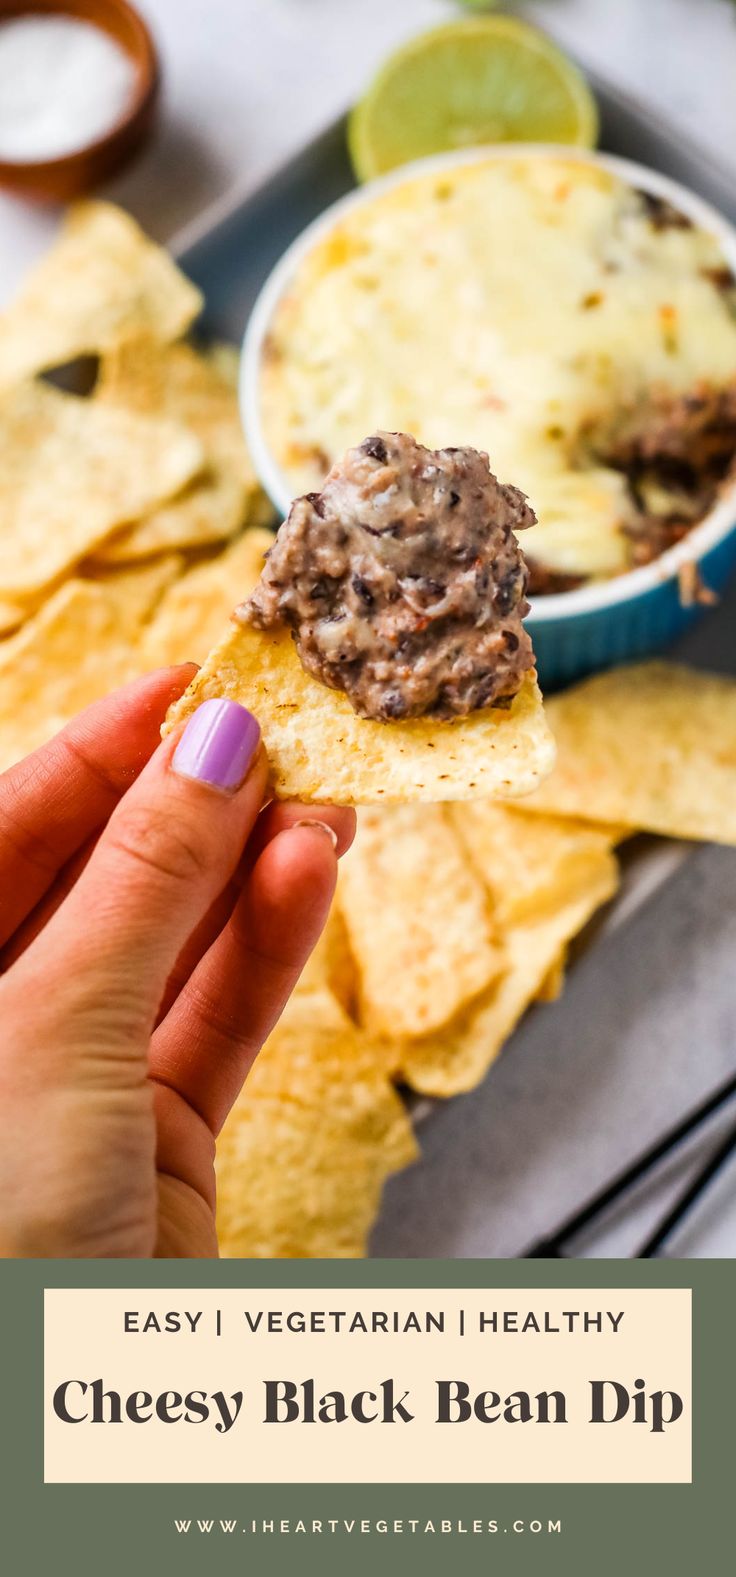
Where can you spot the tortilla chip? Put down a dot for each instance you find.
(12, 614)
(320, 750)
(225, 359)
(305, 1152)
(72, 652)
(191, 616)
(176, 382)
(102, 281)
(70, 471)
(553, 984)
(530, 864)
(138, 590)
(331, 965)
(205, 513)
(653, 746)
(418, 919)
(458, 1057)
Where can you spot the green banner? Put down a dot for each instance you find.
(120, 1528)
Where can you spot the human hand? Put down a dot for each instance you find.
(153, 922)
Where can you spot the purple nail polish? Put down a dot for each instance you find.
(218, 745)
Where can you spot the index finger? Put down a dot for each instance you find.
(55, 799)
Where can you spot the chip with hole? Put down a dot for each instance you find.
(70, 472)
(102, 281)
(177, 382)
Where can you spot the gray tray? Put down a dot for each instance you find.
(233, 245)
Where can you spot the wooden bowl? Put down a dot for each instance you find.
(58, 180)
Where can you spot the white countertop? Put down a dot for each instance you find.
(247, 82)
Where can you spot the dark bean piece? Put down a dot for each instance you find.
(506, 595)
(317, 502)
(391, 530)
(512, 641)
(393, 706)
(453, 500)
(484, 691)
(376, 448)
(439, 704)
(661, 214)
(363, 590)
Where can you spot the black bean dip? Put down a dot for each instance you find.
(402, 581)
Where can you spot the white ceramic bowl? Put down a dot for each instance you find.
(605, 621)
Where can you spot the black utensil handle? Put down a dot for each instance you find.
(553, 1247)
(689, 1198)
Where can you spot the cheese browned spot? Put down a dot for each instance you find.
(403, 583)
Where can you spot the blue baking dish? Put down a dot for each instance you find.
(603, 622)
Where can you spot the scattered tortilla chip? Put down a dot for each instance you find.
(458, 1057)
(139, 589)
(530, 864)
(320, 750)
(226, 360)
(331, 966)
(72, 652)
(652, 745)
(418, 919)
(176, 382)
(191, 616)
(553, 984)
(305, 1152)
(102, 281)
(206, 512)
(70, 471)
(12, 614)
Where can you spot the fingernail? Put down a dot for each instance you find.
(319, 826)
(218, 745)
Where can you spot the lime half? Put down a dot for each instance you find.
(487, 79)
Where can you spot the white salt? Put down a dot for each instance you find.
(63, 84)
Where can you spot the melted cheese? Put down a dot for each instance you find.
(503, 305)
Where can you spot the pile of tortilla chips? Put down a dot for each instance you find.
(449, 923)
(130, 524)
(124, 513)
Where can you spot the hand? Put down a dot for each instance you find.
(153, 921)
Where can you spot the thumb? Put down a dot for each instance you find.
(168, 850)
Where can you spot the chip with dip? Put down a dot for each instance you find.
(382, 648)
